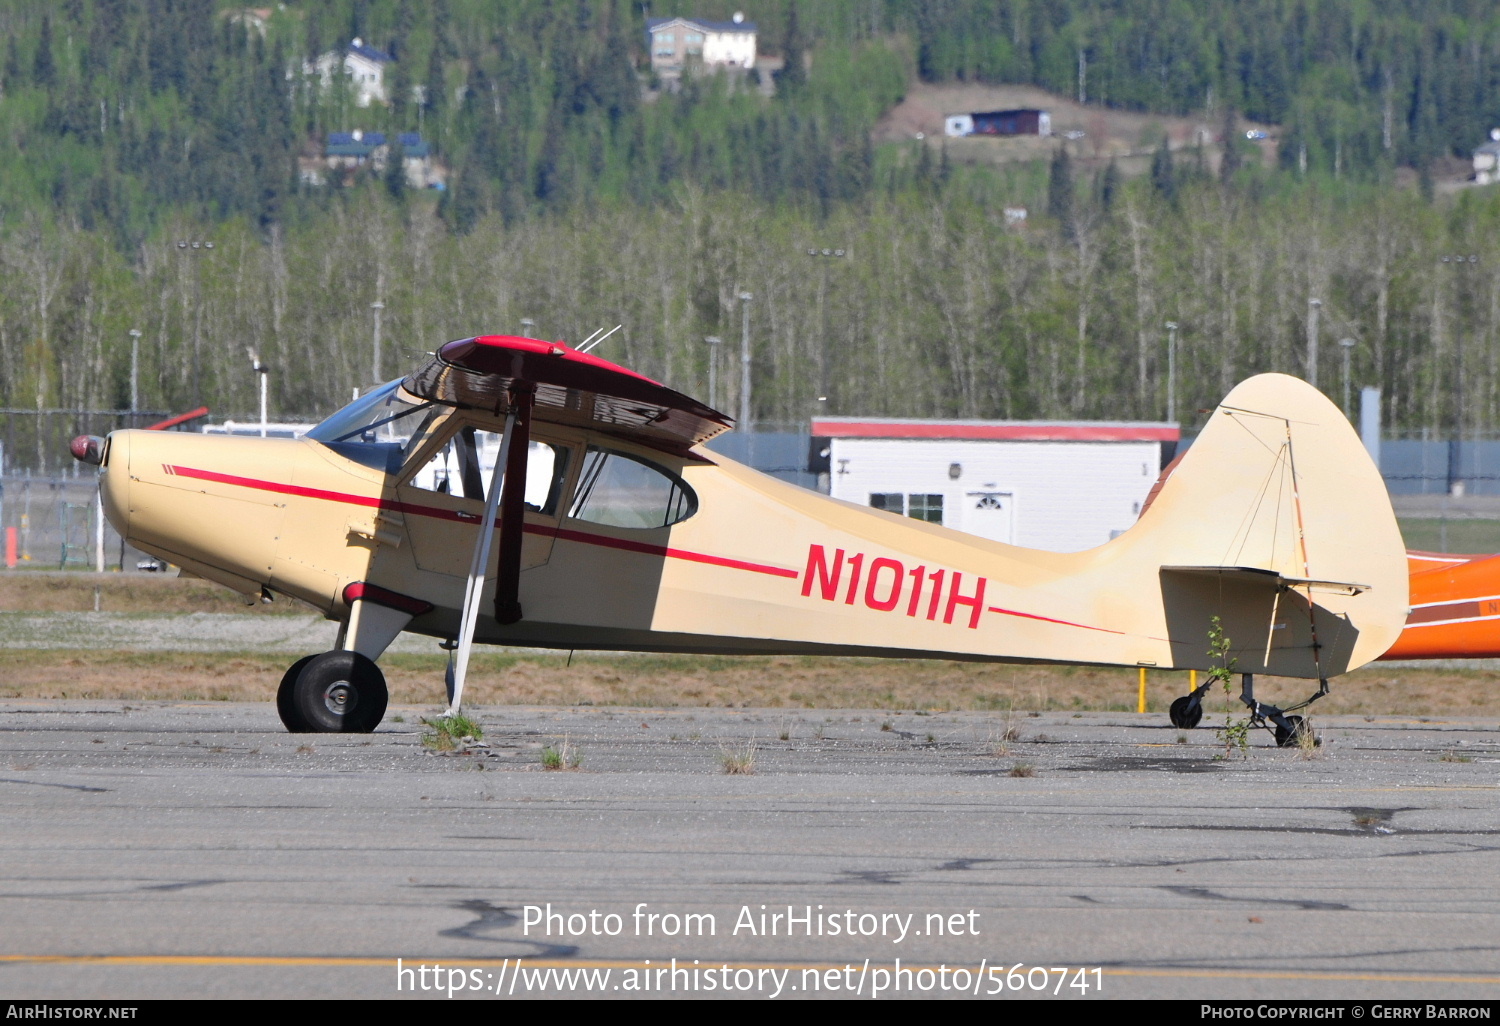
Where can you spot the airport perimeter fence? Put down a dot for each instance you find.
(49, 523)
(36, 441)
(49, 502)
(1415, 466)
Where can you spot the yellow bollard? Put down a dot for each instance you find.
(1140, 702)
(1192, 680)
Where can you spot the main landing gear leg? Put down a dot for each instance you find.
(1288, 729)
(342, 691)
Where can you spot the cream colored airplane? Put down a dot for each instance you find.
(605, 524)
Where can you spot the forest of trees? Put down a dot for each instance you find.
(121, 112)
(580, 200)
(938, 308)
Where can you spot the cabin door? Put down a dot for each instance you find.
(442, 502)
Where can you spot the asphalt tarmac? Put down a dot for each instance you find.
(197, 850)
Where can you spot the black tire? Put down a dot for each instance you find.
(1291, 738)
(1186, 712)
(340, 693)
(286, 703)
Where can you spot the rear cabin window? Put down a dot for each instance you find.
(617, 490)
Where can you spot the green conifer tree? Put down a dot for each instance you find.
(13, 75)
(395, 169)
(1163, 174)
(1060, 189)
(43, 70)
(1230, 133)
(793, 73)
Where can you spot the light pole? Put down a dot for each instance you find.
(1172, 372)
(1347, 345)
(744, 422)
(1458, 262)
(1313, 306)
(135, 372)
(713, 365)
(197, 247)
(376, 306)
(261, 371)
(526, 325)
(821, 254)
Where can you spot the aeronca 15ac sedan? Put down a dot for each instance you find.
(605, 524)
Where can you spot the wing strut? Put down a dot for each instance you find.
(500, 482)
(513, 507)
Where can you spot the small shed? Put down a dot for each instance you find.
(1057, 485)
(999, 122)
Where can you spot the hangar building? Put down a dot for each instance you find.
(1057, 485)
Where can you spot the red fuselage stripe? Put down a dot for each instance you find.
(438, 513)
(1048, 619)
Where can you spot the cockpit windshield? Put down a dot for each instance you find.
(377, 429)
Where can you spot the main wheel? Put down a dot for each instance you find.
(1291, 738)
(286, 702)
(1186, 712)
(340, 693)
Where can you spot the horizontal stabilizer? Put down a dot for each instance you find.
(1249, 574)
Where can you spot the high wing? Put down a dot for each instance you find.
(571, 387)
(521, 378)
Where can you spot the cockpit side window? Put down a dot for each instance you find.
(464, 464)
(619, 490)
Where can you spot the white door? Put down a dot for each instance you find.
(990, 515)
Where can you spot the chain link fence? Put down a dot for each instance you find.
(55, 522)
(49, 504)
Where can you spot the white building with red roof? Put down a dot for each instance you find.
(1057, 485)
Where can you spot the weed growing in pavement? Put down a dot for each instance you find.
(1023, 769)
(738, 761)
(562, 756)
(444, 733)
(1235, 733)
(1308, 744)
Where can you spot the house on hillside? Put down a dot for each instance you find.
(999, 122)
(251, 19)
(1487, 161)
(363, 65)
(678, 43)
(347, 152)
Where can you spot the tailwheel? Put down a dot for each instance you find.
(1186, 712)
(286, 703)
(1292, 734)
(336, 693)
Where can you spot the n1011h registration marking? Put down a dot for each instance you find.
(882, 583)
(885, 582)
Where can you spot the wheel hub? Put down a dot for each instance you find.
(340, 697)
